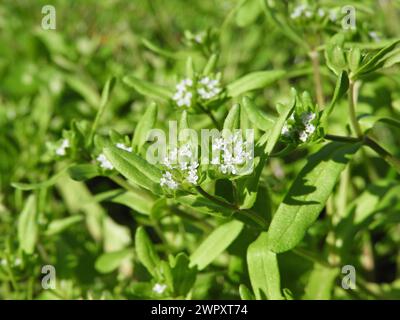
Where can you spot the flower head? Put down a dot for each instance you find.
(123, 147)
(159, 288)
(183, 95)
(60, 151)
(104, 162)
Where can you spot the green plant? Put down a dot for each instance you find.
(305, 181)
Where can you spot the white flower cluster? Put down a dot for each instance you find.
(183, 95)
(208, 88)
(304, 131)
(180, 159)
(167, 180)
(104, 162)
(303, 10)
(231, 153)
(159, 288)
(60, 151)
(123, 147)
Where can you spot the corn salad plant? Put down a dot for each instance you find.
(218, 150)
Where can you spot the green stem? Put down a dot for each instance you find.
(247, 213)
(390, 159)
(342, 138)
(314, 56)
(352, 109)
(211, 116)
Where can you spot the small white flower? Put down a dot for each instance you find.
(17, 262)
(183, 96)
(123, 147)
(60, 151)
(3, 262)
(310, 128)
(167, 180)
(303, 136)
(159, 288)
(321, 12)
(374, 36)
(333, 15)
(307, 117)
(199, 37)
(210, 88)
(285, 130)
(104, 163)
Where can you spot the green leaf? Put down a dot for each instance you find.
(321, 283)
(135, 168)
(248, 13)
(110, 261)
(245, 293)
(146, 252)
(377, 61)
(307, 196)
(263, 270)
(59, 225)
(342, 85)
(211, 64)
(81, 172)
(201, 204)
(33, 186)
(148, 89)
(253, 81)
(88, 92)
(216, 243)
(275, 133)
(283, 25)
(105, 95)
(334, 54)
(183, 275)
(232, 120)
(145, 124)
(162, 52)
(255, 115)
(137, 200)
(28, 226)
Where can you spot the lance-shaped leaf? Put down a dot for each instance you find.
(255, 115)
(216, 243)
(59, 225)
(145, 124)
(253, 81)
(211, 63)
(263, 270)
(110, 261)
(275, 133)
(377, 61)
(138, 200)
(148, 89)
(135, 168)
(247, 186)
(203, 205)
(320, 283)
(232, 120)
(183, 276)
(342, 85)
(28, 226)
(105, 96)
(81, 172)
(146, 252)
(87, 91)
(307, 196)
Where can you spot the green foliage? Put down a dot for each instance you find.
(301, 177)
